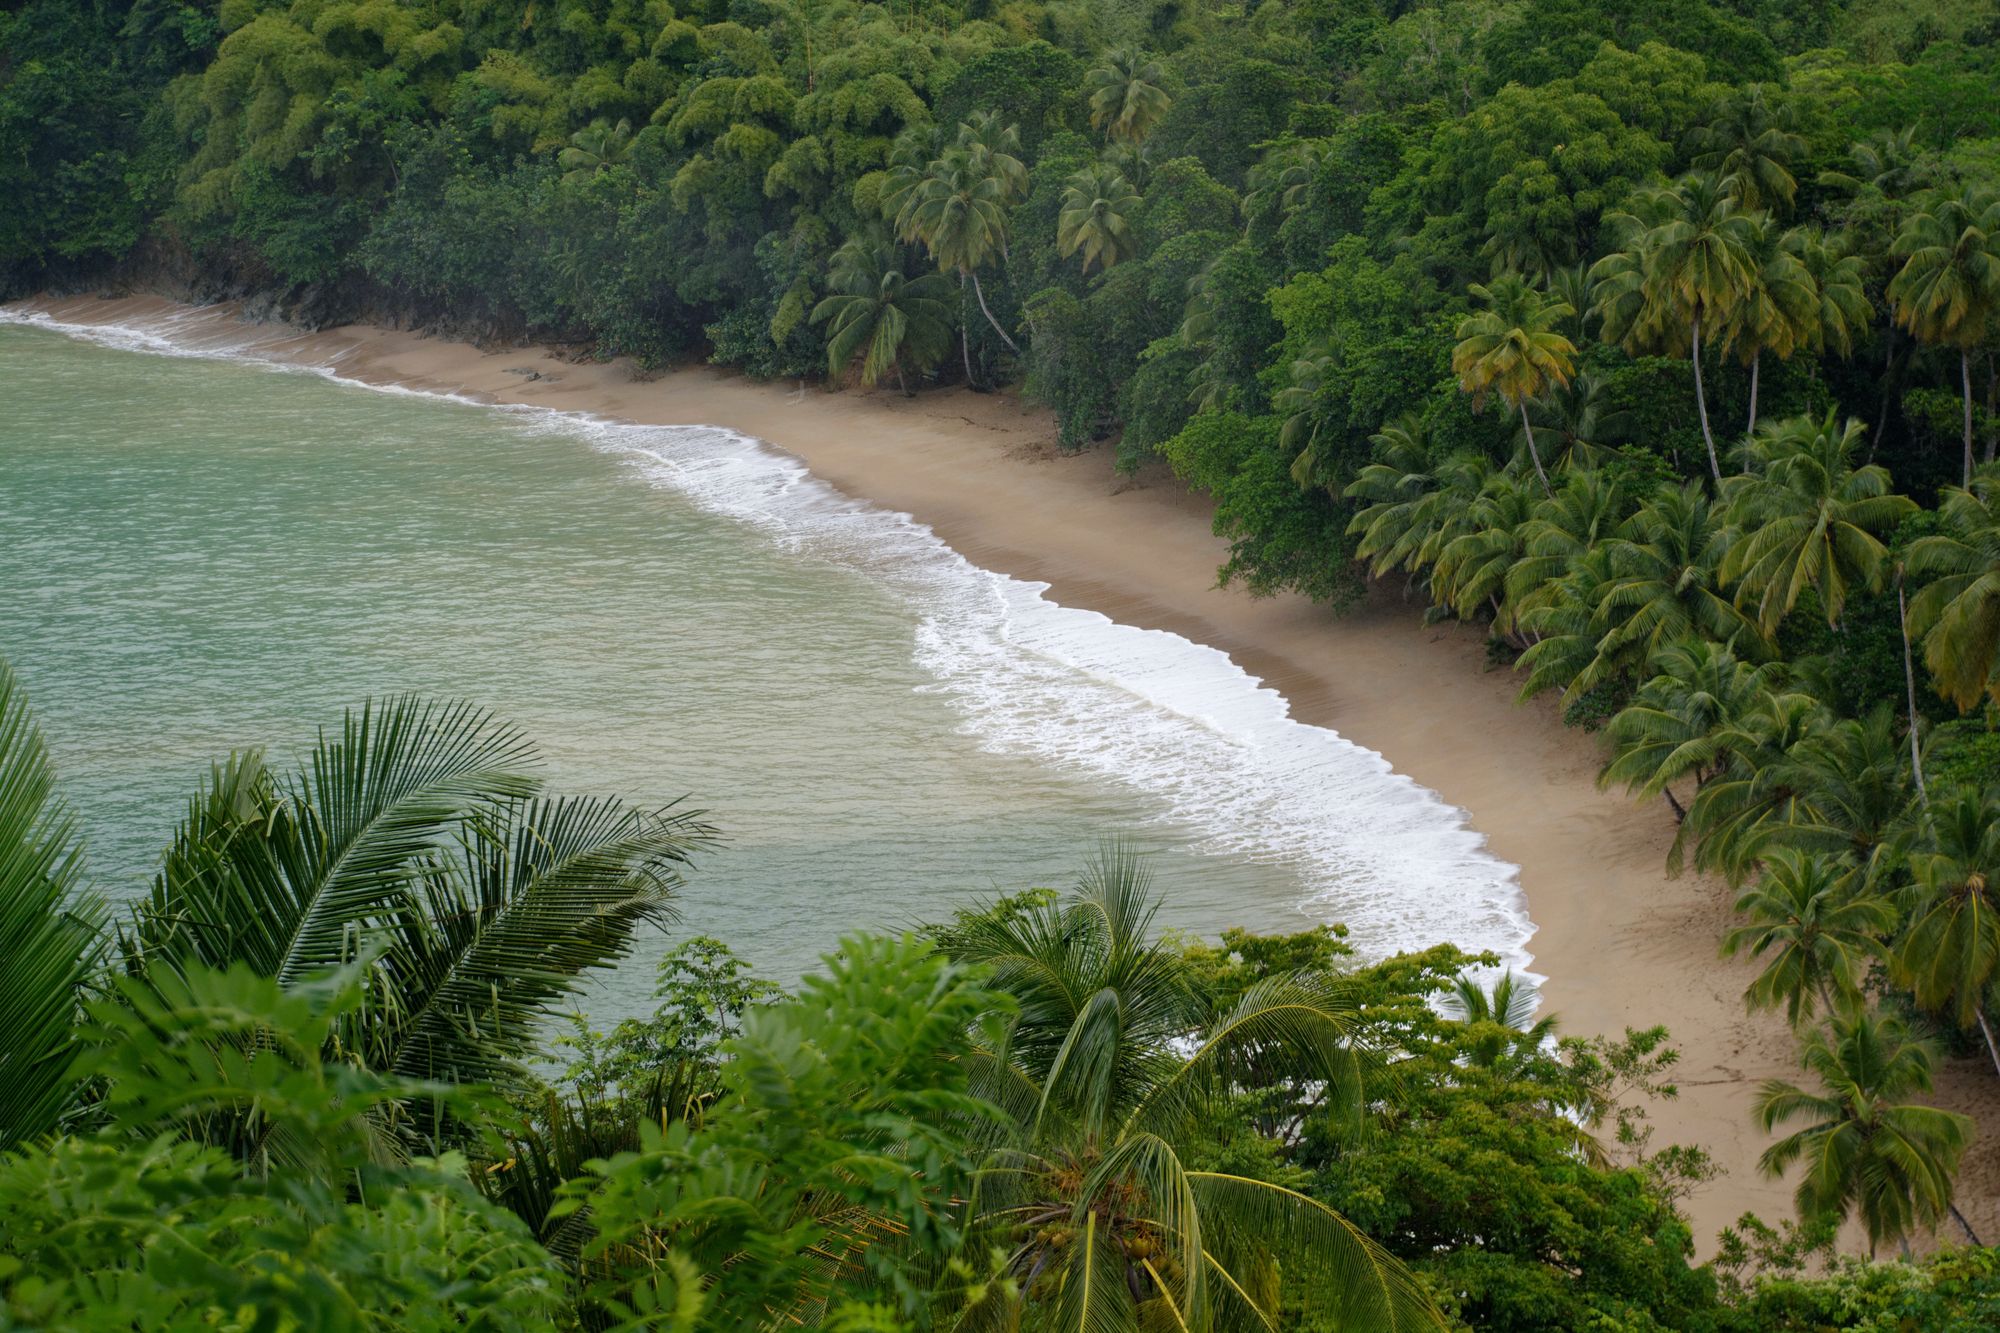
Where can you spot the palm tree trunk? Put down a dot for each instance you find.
(902, 383)
(965, 354)
(1701, 398)
(1959, 1217)
(1965, 378)
(1888, 390)
(1986, 1031)
(1756, 363)
(980, 292)
(1910, 687)
(1534, 453)
(1992, 404)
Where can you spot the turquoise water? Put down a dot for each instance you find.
(200, 553)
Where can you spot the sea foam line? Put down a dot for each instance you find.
(1213, 748)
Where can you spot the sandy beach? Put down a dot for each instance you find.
(1621, 943)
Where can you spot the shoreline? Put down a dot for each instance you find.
(1620, 943)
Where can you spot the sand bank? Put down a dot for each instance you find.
(1621, 944)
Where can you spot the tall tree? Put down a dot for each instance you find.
(1681, 269)
(879, 317)
(1949, 955)
(1948, 290)
(1098, 204)
(1108, 1067)
(1751, 145)
(1866, 1150)
(1958, 610)
(1813, 921)
(1512, 348)
(1127, 99)
(957, 206)
(1807, 517)
(1779, 309)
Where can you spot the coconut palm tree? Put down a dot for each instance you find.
(1471, 572)
(1303, 407)
(879, 317)
(1098, 204)
(957, 206)
(1808, 518)
(1731, 818)
(995, 147)
(1814, 918)
(1866, 1151)
(1127, 99)
(1958, 611)
(1512, 348)
(1588, 511)
(1658, 585)
(593, 148)
(1949, 956)
(1507, 1033)
(1681, 269)
(1840, 291)
(1948, 290)
(416, 829)
(1107, 1065)
(1415, 505)
(1751, 145)
(1687, 720)
(1779, 309)
(50, 930)
(1576, 425)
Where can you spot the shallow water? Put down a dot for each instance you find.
(197, 553)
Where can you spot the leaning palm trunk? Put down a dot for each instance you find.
(1965, 381)
(1986, 1031)
(1701, 399)
(1756, 362)
(980, 292)
(1910, 687)
(1534, 454)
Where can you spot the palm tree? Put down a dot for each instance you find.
(957, 207)
(1657, 585)
(878, 316)
(593, 148)
(1511, 348)
(1839, 287)
(1126, 97)
(1814, 917)
(50, 931)
(1958, 611)
(1751, 146)
(1109, 1062)
(1779, 309)
(1302, 404)
(1097, 206)
(1808, 518)
(1416, 506)
(1475, 570)
(419, 827)
(1948, 290)
(1866, 1150)
(1682, 266)
(1687, 720)
(1577, 422)
(995, 147)
(1950, 952)
(1507, 1033)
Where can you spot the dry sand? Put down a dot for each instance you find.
(1621, 943)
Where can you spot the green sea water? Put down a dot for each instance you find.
(201, 554)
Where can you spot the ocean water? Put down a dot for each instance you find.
(199, 551)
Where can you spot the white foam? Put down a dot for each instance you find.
(1211, 747)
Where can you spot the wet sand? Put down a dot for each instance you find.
(1622, 945)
